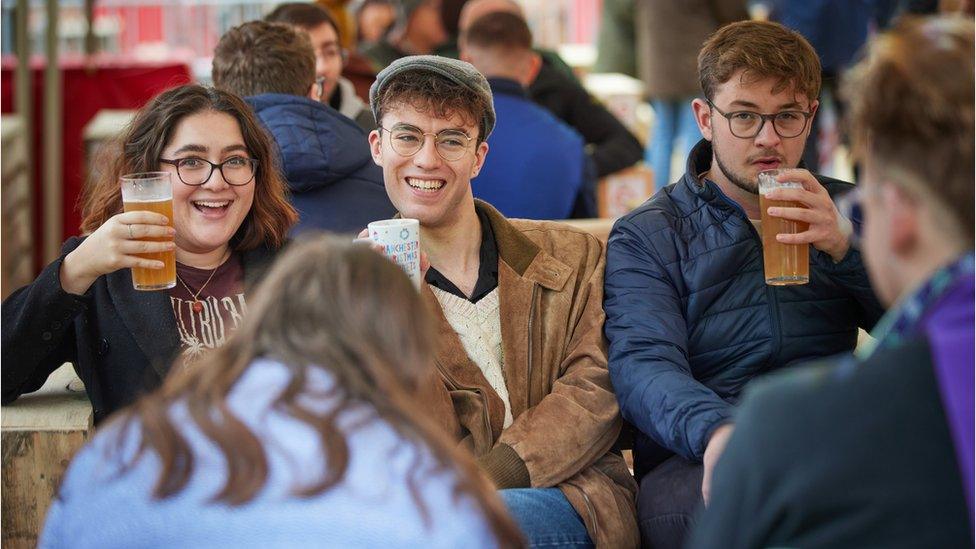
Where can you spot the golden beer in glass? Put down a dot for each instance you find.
(783, 264)
(152, 192)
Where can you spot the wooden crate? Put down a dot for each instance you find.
(40, 433)
(619, 193)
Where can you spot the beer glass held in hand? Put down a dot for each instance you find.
(151, 191)
(784, 264)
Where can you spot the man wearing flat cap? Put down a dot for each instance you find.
(522, 355)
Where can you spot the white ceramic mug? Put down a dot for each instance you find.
(400, 239)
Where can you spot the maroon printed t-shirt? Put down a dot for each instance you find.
(221, 310)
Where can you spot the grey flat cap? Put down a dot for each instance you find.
(459, 72)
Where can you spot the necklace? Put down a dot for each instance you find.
(197, 306)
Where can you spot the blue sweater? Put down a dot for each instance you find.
(536, 165)
(690, 319)
(370, 507)
(334, 183)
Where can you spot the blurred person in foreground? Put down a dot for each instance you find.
(330, 57)
(333, 182)
(877, 450)
(608, 142)
(306, 429)
(231, 216)
(690, 318)
(521, 354)
(538, 168)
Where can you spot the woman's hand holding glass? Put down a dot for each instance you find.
(114, 246)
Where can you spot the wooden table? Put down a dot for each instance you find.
(40, 434)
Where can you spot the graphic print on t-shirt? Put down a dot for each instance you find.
(223, 306)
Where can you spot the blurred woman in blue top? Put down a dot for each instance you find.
(305, 429)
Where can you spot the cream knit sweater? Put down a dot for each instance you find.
(478, 325)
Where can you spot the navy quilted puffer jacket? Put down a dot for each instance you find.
(690, 319)
(335, 185)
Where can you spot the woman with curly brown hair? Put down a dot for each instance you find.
(309, 428)
(230, 216)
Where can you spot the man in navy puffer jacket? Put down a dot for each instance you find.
(335, 185)
(690, 319)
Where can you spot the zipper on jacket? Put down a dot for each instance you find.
(528, 388)
(771, 299)
(455, 386)
(774, 324)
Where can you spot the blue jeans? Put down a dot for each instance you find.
(546, 517)
(674, 126)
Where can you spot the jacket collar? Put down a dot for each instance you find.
(523, 255)
(507, 86)
(148, 316)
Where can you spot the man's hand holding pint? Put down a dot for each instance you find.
(828, 230)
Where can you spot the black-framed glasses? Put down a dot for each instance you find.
(407, 140)
(748, 124)
(236, 170)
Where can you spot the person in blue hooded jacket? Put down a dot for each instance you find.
(539, 168)
(690, 319)
(334, 184)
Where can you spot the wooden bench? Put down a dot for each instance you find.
(40, 433)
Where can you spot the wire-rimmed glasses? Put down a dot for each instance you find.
(407, 140)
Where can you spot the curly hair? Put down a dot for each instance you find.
(911, 105)
(432, 93)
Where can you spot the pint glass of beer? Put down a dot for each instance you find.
(151, 191)
(784, 264)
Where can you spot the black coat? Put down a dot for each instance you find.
(842, 454)
(120, 340)
(613, 146)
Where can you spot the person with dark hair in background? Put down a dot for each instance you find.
(418, 30)
(334, 184)
(690, 317)
(877, 450)
(373, 20)
(609, 143)
(230, 217)
(521, 353)
(307, 428)
(330, 58)
(538, 168)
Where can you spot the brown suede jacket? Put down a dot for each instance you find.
(550, 282)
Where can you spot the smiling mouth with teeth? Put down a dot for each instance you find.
(427, 185)
(211, 205)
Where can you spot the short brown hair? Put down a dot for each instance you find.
(911, 109)
(763, 50)
(502, 30)
(303, 15)
(428, 91)
(259, 57)
(140, 146)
